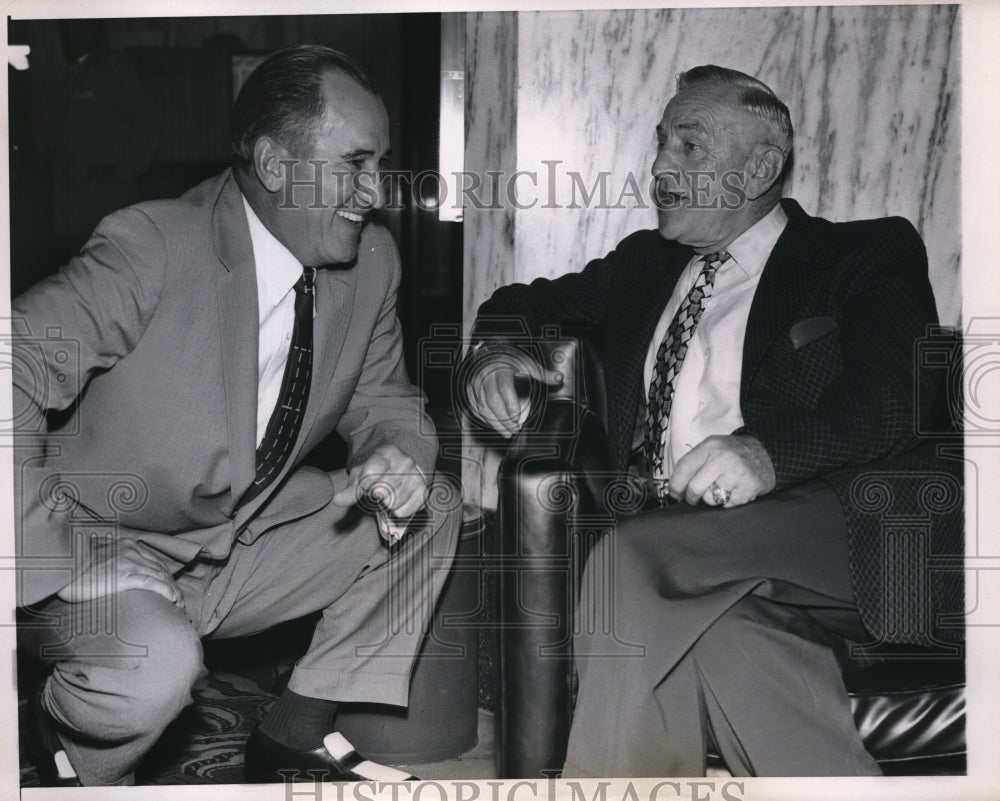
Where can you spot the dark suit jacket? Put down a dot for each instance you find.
(828, 386)
(152, 405)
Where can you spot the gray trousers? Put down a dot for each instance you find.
(698, 623)
(124, 665)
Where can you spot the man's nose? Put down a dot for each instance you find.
(662, 163)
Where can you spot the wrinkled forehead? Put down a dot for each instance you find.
(705, 110)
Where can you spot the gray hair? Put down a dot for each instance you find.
(756, 99)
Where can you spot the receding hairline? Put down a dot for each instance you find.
(288, 97)
(728, 96)
(330, 101)
(754, 99)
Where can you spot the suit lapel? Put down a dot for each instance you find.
(789, 272)
(236, 294)
(236, 290)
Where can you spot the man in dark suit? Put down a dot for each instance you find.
(177, 372)
(759, 365)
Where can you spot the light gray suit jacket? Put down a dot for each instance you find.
(143, 352)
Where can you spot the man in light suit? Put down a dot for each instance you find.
(759, 367)
(179, 371)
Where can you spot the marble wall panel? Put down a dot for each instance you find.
(491, 80)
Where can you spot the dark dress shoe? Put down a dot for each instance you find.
(268, 761)
(47, 752)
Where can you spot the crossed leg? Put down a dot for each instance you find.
(733, 610)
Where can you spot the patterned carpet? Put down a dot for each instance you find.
(205, 744)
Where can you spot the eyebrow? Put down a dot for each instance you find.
(362, 152)
(693, 126)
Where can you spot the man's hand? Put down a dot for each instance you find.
(390, 477)
(737, 464)
(121, 565)
(492, 392)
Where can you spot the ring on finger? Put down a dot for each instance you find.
(720, 497)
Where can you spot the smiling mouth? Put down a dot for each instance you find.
(351, 217)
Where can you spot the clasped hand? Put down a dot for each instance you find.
(389, 477)
(735, 463)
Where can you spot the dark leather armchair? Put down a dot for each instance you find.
(556, 497)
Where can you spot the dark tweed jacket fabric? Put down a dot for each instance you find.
(846, 406)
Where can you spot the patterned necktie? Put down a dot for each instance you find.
(670, 357)
(286, 419)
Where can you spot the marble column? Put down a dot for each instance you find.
(488, 227)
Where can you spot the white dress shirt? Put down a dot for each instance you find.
(706, 396)
(277, 271)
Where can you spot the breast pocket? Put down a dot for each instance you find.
(813, 367)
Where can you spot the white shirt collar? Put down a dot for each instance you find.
(751, 249)
(277, 269)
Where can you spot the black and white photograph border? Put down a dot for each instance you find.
(574, 186)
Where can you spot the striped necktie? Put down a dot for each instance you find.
(286, 420)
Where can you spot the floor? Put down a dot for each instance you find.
(476, 763)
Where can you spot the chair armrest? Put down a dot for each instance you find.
(558, 465)
(553, 476)
(575, 356)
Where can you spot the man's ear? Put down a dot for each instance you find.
(763, 169)
(268, 156)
